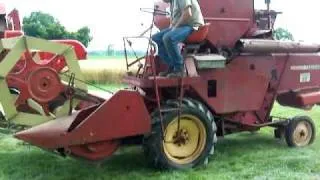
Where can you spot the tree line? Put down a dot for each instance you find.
(44, 25)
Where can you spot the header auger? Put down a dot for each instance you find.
(235, 72)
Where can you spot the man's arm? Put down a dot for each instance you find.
(186, 15)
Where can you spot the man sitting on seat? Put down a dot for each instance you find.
(186, 16)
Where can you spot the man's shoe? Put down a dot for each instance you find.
(176, 74)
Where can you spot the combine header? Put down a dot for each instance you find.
(235, 71)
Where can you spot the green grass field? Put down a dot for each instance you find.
(240, 156)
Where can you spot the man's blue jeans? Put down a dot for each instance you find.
(167, 41)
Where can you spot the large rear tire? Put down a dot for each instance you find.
(182, 148)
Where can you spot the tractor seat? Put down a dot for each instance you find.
(198, 36)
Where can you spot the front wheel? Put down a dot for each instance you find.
(300, 132)
(184, 147)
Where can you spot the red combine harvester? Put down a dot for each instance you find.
(235, 72)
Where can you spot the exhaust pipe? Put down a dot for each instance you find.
(272, 46)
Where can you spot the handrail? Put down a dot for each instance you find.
(138, 59)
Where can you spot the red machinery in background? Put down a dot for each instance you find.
(235, 72)
(10, 26)
(14, 21)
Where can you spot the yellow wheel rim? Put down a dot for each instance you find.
(302, 133)
(185, 145)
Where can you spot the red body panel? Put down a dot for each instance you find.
(297, 65)
(79, 48)
(245, 84)
(300, 99)
(235, 85)
(162, 21)
(122, 116)
(11, 34)
(237, 15)
(225, 15)
(309, 98)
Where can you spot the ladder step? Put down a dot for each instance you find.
(169, 110)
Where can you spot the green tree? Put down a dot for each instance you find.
(43, 25)
(84, 34)
(283, 34)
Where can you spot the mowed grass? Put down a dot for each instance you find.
(239, 156)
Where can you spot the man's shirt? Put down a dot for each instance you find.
(177, 7)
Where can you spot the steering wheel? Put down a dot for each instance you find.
(155, 11)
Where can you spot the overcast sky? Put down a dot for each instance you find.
(110, 20)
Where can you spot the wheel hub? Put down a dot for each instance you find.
(181, 137)
(44, 85)
(38, 81)
(302, 134)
